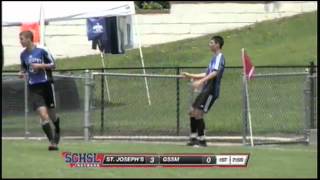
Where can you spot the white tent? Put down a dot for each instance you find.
(17, 12)
(14, 13)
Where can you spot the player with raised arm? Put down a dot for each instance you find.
(38, 63)
(209, 83)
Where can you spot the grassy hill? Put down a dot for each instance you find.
(287, 41)
(290, 41)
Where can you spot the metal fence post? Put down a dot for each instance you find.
(26, 109)
(312, 95)
(178, 100)
(307, 111)
(309, 102)
(87, 92)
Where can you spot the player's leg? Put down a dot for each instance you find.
(201, 105)
(50, 100)
(200, 126)
(211, 98)
(193, 130)
(56, 123)
(38, 95)
(194, 122)
(46, 126)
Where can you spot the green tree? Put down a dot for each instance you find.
(152, 4)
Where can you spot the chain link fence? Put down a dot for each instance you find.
(280, 106)
(119, 105)
(20, 120)
(129, 113)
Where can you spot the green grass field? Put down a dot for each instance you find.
(30, 159)
(289, 41)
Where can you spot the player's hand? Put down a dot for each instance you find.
(186, 75)
(196, 85)
(21, 75)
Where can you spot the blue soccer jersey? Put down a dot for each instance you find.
(40, 56)
(217, 63)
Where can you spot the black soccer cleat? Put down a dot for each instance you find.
(203, 143)
(57, 130)
(53, 148)
(192, 142)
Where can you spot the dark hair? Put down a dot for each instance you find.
(27, 34)
(219, 40)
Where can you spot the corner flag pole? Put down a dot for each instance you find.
(247, 97)
(142, 61)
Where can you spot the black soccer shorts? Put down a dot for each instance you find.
(204, 100)
(42, 94)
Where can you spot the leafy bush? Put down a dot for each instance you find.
(152, 4)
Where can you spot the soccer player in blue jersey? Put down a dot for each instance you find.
(38, 63)
(209, 83)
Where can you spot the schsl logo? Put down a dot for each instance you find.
(81, 159)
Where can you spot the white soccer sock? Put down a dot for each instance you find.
(44, 122)
(193, 135)
(202, 138)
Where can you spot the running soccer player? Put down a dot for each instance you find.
(38, 63)
(209, 83)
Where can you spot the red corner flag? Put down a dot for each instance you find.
(248, 67)
(34, 28)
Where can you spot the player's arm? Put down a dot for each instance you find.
(193, 76)
(49, 62)
(37, 66)
(23, 69)
(202, 81)
(212, 75)
(21, 74)
(213, 71)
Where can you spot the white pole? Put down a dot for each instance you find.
(105, 77)
(87, 94)
(142, 61)
(42, 26)
(26, 110)
(249, 112)
(247, 96)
